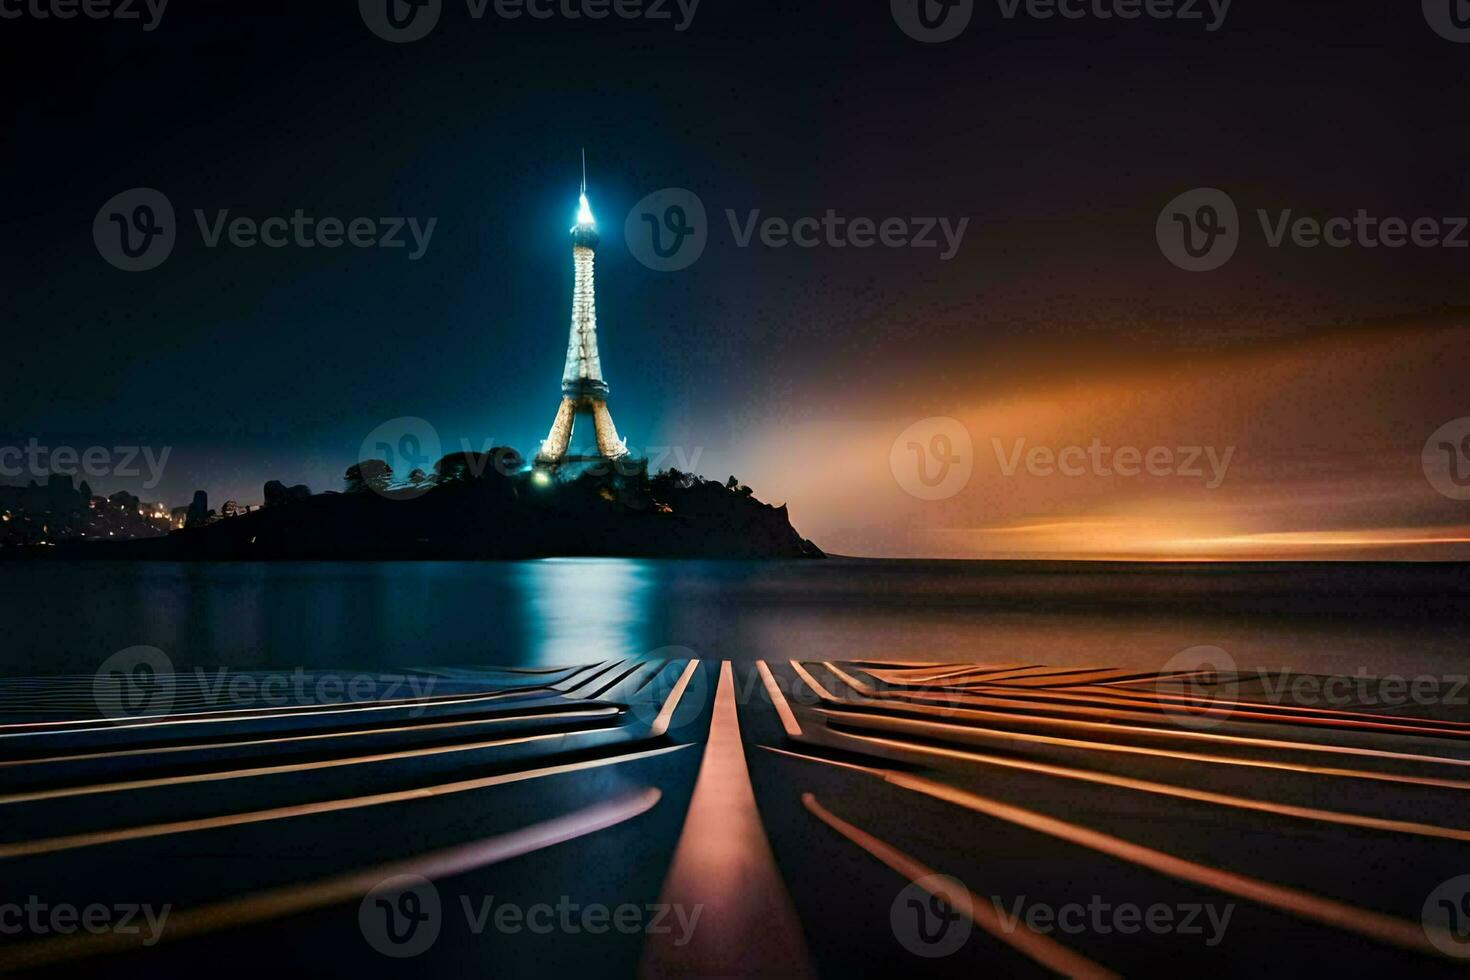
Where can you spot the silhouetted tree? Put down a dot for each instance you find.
(277, 493)
(370, 474)
(466, 467)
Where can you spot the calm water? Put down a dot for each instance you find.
(65, 617)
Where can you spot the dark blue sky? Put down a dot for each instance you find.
(1058, 140)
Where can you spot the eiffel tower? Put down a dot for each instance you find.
(583, 391)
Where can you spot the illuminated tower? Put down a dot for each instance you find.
(583, 392)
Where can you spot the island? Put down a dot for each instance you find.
(477, 506)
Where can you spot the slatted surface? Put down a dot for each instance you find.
(1324, 829)
(307, 803)
(1318, 831)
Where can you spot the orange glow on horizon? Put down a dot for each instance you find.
(1317, 454)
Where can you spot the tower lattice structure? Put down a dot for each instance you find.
(583, 390)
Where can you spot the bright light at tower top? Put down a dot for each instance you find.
(585, 220)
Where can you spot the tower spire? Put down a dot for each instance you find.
(584, 171)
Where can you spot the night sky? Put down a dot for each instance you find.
(1057, 321)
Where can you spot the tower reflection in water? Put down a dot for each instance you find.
(585, 609)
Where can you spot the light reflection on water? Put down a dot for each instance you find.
(68, 617)
(579, 610)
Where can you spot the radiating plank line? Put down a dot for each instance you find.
(671, 703)
(1039, 672)
(952, 675)
(602, 689)
(276, 903)
(324, 707)
(811, 682)
(559, 685)
(1021, 712)
(52, 845)
(941, 729)
(1181, 675)
(1020, 937)
(506, 670)
(1174, 791)
(1377, 926)
(1211, 701)
(125, 785)
(783, 710)
(723, 863)
(1151, 677)
(1063, 679)
(267, 713)
(606, 712)
(1225, 711)
(961, 678)
(122, 786)
(610, 666)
